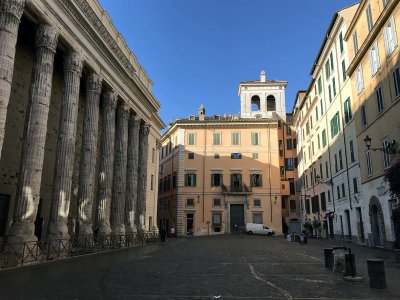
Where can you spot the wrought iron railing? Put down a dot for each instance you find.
(19, 254)
(242, 188)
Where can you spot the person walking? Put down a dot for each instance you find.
(172, 232)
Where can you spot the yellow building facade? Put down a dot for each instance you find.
(220, 172)
(375, 74)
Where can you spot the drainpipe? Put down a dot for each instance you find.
(204, 166)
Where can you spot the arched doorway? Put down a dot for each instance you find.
(377, 221)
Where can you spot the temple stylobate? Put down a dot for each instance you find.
(79, 125)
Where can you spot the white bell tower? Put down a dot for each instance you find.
(263, 98)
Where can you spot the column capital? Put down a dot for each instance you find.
(158, 144)
(110, 99)
(73, 62)
(94, 83)
(145, 129)
(47, 36)
(14, 7)
(135, 120)
(124, 111)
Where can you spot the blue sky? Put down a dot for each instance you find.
(197, 51)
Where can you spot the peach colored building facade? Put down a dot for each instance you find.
(219, 172)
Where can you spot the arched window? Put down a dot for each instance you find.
(255, 103)
(271, 106)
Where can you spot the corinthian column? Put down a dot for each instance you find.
(10, 16)
(88, 154)
(142, 176)
(132, 174)
(30, 175)
(119, 180)
(65, 155)
(106, 163)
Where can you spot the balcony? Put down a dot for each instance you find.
(236, 189)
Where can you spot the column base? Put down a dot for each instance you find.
(118, 230)
(58, 230)
(22, 232)
(85, 229)
(104, 230)
(130, 230)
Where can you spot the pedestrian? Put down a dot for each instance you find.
(163, 234)
(172, 231)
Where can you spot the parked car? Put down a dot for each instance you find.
(252, 228)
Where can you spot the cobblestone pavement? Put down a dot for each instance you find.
(216, 267)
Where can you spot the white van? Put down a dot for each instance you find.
(252, 228)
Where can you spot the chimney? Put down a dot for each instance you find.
(202, 113)
(262, 76)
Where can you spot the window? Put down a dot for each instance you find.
(311, 123)
(294, 143)
(386, 156)
(292, 205)
(341, 42)
(315, 204)
(321, 104)
(323, 201)
(321, 173)
(326, 169)
(152, 183)
(338, 191)
(316, 113)
(319, 141)
(323, 138)
(331, 60)
(363, 116)
(257, 218)
(256, 180)
(355, 186)
(396, 79)
(190, 179)
(335, 125)
(329, 196)
(271, 103)
(389, 34)
(330, 93)
(256, 203)
(289, 164)
(191, 139)
(254, 138)
(280, 148)
(216, 155)
(334, 86)
(174, 180)
(153, 155)
(355, 42)
(190, 202)
(307, 128)
(236, 156)
(216, 202)
(336, 164)
(368, 162)
(235, 138)
(344, 70)
(291, 186)
(236, 182)
(289, 144)
(216, 138)
(369, 17)
(379, 99)
(327, 69)
(374, 58)
(340, 160)
(216, 219)
(255, 155)
(216, 179)
(352, 155)
(312, 148)
(319, 85)
(284, 201)
(288, 129)
(307, 205)
(384, 2)
(255, 103)
(282, 171)
(190, 155)
(347, 111)
(359, 80)
(343, 190)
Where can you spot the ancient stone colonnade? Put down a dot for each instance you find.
(119, 203)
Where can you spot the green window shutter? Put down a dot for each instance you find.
(231, 180)
(261, 182)
(194, 180)
(251, 180)
(240, 180)
(212, 179)
(221, 181)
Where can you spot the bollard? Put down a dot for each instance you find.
(376, 273)
(350, 265)
(328, 254)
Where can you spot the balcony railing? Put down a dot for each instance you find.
(236, 189)
(19, 254)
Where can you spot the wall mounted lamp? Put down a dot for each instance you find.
(389, 149)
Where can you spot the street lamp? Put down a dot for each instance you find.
(389, 149)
